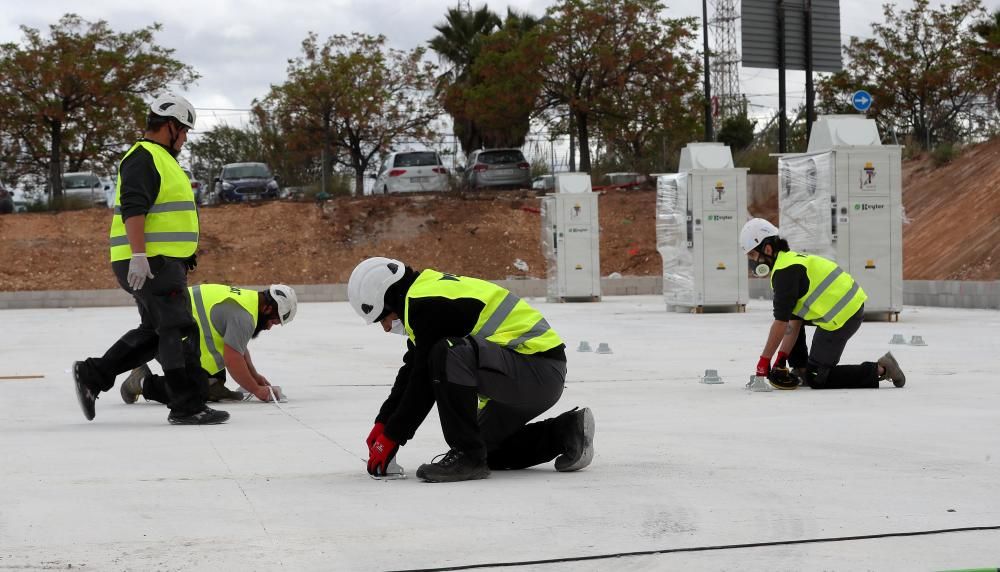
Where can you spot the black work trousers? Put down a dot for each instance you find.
(822, 360)
(518, 387)
(156, 387)
(166, 331)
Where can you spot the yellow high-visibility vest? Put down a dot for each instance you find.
(172, 221)
(833, 295)
(204, 297)
(506, 320)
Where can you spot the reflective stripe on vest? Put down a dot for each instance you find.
(833, 295)
(205, 297)
(172, 221)
(505, 320)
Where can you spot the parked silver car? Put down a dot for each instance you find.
(409, 171)
(196, 186)
(497, 168)
(85, 186)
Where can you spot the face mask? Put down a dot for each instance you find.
(762, 270)
(398, 328)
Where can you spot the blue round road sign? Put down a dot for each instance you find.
(861, 100)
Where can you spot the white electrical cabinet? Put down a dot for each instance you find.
(571, 240)
(699, 214)
(842, 200)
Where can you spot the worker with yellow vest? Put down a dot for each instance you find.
(153, 241)
(488, 360)
(228, 318)
(809, 289)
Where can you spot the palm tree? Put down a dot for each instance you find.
(460, 38)
(458, 42)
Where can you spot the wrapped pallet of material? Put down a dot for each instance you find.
(674, 240)
(549, 242)
(805, 198)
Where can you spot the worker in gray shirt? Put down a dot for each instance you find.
(228, 318)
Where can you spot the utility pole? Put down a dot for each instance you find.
(709, 134)
(782, 116)
(726, 60)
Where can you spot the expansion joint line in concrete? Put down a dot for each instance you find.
(274, 400)
(702, 549)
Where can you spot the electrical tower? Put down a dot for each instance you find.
(725, 61)
(463, 6)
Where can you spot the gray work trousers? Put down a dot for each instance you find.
(519, 387)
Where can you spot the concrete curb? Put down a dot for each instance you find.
(939, 293)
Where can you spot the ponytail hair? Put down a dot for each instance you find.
(777, 243)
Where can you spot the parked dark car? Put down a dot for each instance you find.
(245, 182)
(497, 168)
(6, 200)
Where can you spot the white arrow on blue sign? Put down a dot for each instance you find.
(861, 100)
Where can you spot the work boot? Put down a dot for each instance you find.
(218, 392)
(206, 416)
(84, 394)
(892, 370)
(800, 374)
(131, 388)
(579, 451)
(454, 466)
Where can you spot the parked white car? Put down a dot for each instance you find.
(409, 171)
(109, 191)
(544, 183)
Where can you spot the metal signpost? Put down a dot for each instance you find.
(792, 34)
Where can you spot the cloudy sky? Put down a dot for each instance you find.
(241, 48)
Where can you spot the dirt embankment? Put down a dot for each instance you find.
(305, 243)
(953, 211)
(953, 233)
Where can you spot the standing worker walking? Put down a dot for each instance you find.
(154, 239)
(489, 360)
(813, 290)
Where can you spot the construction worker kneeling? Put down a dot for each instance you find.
(489, 360)
(809, 289)
(228, 318)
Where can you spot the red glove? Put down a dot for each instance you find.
(780, 359)
(381, 452)
(763, 366)
(376, 431)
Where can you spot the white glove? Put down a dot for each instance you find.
(138, 270)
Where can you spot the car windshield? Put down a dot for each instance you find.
(253, 171)
(419, 159)
(499, 157)
(78, 181)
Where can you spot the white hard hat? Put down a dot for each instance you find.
(754, 232)
(287, 301)
(175, 106)
(368, 284)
